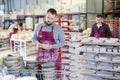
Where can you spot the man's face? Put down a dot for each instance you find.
(99, 20)
(50, 18)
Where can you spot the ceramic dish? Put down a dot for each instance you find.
(48, 64)
(10, 63)
(26, 78)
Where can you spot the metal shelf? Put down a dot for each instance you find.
(96, 66)
(103, 76)
(100, 60)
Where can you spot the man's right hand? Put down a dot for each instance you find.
(44, 46)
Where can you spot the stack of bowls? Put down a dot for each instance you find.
(48, 70)
(31, 65)
(14, 64)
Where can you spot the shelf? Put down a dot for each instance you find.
(4, 48)
(100, 68)
(76, 13)
(103, 76)
(112, 53)
(8, 19)
(102, 44)
(97, 60)
(58, 14)
(42, 15)
(114, 64)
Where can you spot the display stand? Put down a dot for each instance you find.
(101, 60)
(4, 44)
(25, 47)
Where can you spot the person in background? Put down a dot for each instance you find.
(13, 29)
(100, 29)
(49, 37)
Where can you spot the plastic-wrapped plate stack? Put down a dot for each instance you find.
(14, 64)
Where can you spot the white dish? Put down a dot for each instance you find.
(104, 73)
(9, 77)
(26, 78)
(105, 65)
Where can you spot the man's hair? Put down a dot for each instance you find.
(52, 11)
(99, 15)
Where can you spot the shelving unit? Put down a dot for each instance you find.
(110, 69)
(4, 44)
(22, 18)
(71, 24)
(25, 47)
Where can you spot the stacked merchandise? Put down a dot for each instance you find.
(101, 57)
(110, 22)
(70, 53)
(23, 35)
(4, 73)
(74, 60)
(31, 65)
(115, 28)
(64, 22)
(14, 64)
(119, 27)
(48, 71)
(26, 78)
(4, 42)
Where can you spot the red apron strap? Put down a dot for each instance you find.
(52, 28)
(41, 28)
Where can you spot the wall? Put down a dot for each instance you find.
(92, 5)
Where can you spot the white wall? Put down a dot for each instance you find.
(94, 6)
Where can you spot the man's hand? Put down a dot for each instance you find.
(44, 46)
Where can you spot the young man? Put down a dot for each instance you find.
(100, 29)
(49, 37)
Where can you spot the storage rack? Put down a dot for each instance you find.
(65, 21)
(25, 47)
(4, 44)
(96, 67)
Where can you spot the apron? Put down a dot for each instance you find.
(98, 32)
(44, 55)
(11, 33)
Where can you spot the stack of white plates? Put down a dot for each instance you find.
(31, 65)
(48, 70)
(105, 65)
(9, 77)
(14, 64)
(105, 73)
(111, 40)
(26, 78)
